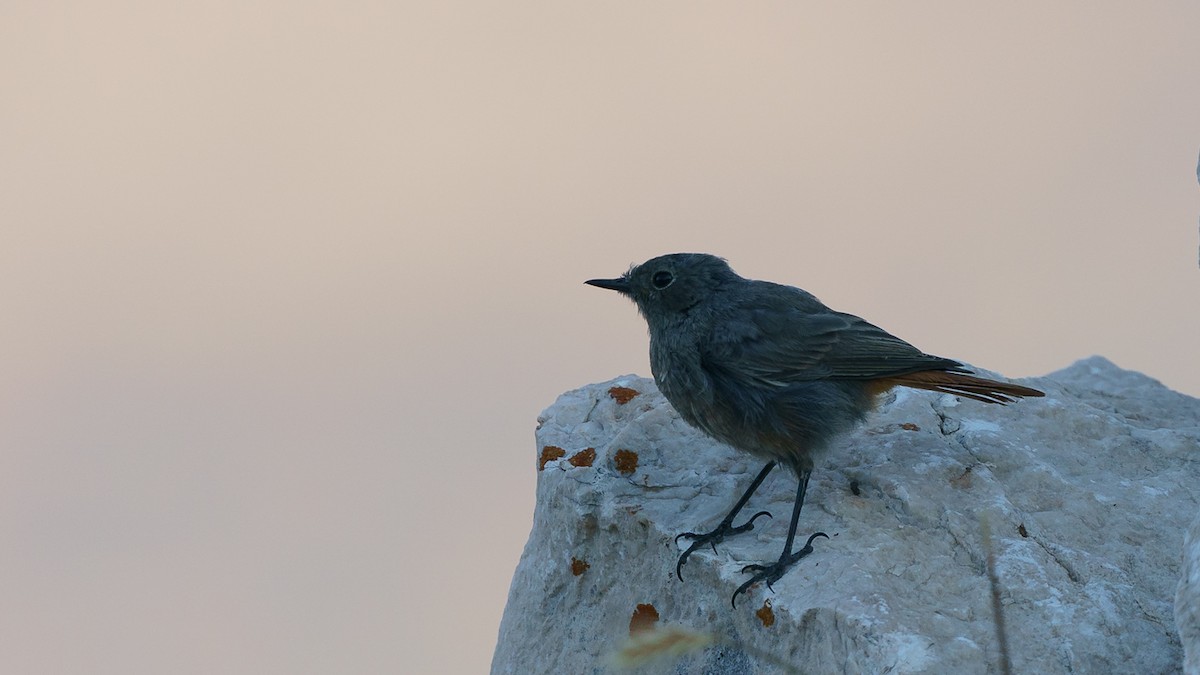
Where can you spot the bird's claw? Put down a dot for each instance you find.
(769, 574)
(725, 529)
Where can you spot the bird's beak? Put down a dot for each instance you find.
(620, 284)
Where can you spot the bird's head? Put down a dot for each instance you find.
(670, 285)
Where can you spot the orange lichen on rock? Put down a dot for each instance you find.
(549, 454)
(623, 395)
(578, 566)
(909, 426)
(766, 615)
(643, 619)
(584, 457)
(625, 461)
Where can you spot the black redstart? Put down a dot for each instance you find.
(770, 370)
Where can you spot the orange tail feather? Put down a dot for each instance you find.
(959, 384)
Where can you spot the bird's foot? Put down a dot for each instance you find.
(769, 574)
(725, 529)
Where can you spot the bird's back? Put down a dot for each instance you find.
(773, 371)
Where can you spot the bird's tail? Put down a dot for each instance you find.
(961, 384)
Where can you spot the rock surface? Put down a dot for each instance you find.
(1187, 600)
(1088, 493)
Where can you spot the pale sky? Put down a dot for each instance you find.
(285, 285)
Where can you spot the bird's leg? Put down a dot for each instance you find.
(725, 528)
(771, 573)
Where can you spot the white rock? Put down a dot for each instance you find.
(1088, 492)
(1187, 600)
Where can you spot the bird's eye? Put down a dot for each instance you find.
(662, 279)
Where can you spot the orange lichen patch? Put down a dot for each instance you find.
(584, 457)
(909, 426)
(625, 461)
(766, 615)
(1022, 531)
(578, 566)
(643, 619)
(964, 481)
(622, 395)
(549, 454)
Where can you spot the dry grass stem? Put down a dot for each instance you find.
(674, 641)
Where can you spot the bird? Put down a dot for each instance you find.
(773, 372)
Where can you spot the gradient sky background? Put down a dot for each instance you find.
(285, 285)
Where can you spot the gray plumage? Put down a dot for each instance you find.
(770, 370)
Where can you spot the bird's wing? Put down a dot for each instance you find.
(785, 335)
(866, 351)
